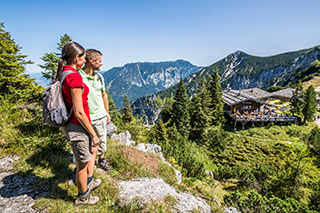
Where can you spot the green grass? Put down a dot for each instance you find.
(44, 153)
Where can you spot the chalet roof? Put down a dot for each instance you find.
(287, 93)
(256, 93)
(233, 97)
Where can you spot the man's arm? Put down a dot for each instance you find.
(106, 105)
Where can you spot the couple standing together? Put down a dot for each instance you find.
(84, 93)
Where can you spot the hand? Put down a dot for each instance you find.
(108, 118)
(95, 141)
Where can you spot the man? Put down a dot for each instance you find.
(97, 101)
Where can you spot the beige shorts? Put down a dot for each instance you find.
(80, 141)
(100, 127)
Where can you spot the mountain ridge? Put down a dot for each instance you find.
(240, 70)
(142, 78)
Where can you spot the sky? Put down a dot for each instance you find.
(127, 31)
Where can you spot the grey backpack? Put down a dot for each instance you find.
(54, 109)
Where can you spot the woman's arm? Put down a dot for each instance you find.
(81, 116)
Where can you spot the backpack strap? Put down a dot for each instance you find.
(64, 74)
(100, 78)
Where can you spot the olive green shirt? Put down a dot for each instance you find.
(95, 100)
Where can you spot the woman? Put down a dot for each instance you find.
(82, 136)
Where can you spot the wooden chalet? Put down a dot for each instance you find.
(283, 95)
(257, 93)
(250, 105)
(240, 101)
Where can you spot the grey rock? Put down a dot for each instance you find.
(123, 138)
(111, 129)
(145, 190)
(208, 172)
(16, 193)
(6, 163)
(231, 210)
(149, 147)
(178, 175)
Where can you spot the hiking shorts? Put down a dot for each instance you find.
(100, 127)
(80, 141)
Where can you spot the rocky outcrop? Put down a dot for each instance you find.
(154, 148)
(111, 129)
(231, 210)
(149, 148)
(144, 190)
(16, 193)
(124, 138)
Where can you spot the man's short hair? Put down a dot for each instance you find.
(92, 54)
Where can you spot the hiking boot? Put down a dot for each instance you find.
(103, 164)
(94, 184)
(86, 200)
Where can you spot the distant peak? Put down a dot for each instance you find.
(237, 53)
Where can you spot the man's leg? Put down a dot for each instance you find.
(92, 183)
(101, 130)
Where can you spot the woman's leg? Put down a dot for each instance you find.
(81, 177)
(91, 163)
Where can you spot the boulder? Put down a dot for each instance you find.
(16, 192)
(111, 129)
(178, 175)
(123, 138)
(6, 163)
(144, 190)
(149, 147)
(231, 210)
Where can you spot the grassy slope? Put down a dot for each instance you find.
(315, 82)
(45, 153)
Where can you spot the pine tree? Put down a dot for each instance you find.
(314, 139)
(13, 81)
(180, 110)
(114, 113)
(63, 40)
(216, 102)
(310, 106)
(166, 112)
(51, 59)
(204, 96)
(127, 115)
(161, 137)
(297, 100)
(199, 113)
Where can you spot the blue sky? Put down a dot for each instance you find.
(126, 31)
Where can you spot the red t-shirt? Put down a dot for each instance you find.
(74, 80)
